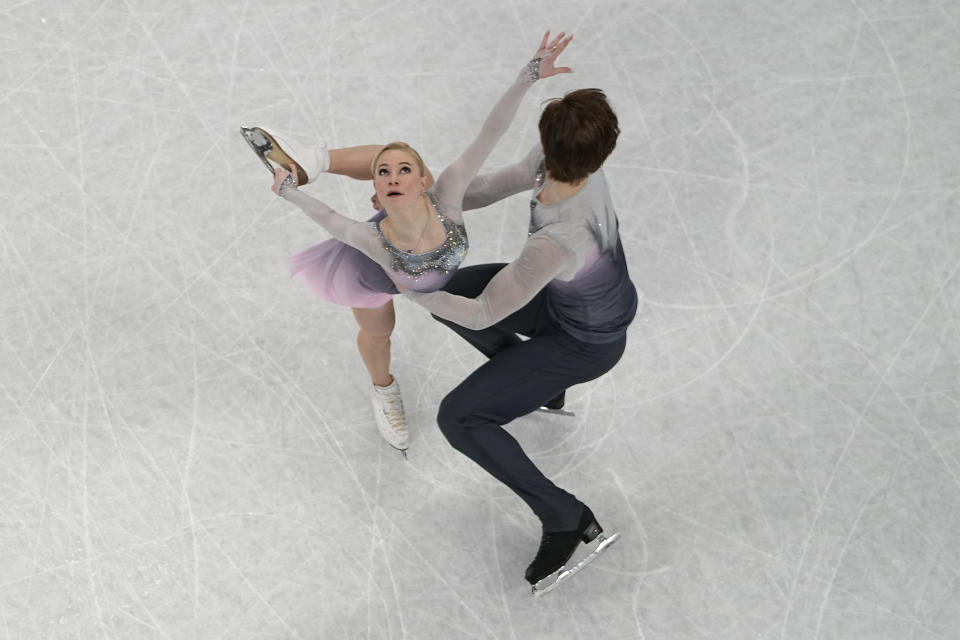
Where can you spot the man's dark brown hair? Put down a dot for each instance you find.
(577, 132)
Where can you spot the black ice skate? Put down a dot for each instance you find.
(555, 406)
(556, 549)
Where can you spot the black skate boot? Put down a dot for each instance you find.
(556, 405)
(556, 547)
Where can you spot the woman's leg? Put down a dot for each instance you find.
(353, 162)
(373, 341)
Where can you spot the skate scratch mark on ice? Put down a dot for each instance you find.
(102, 396)
(908, 137)
(638, 524)
(736, 208)
(371, 502)
(245, 580)
(854, 431)
(759, 298)
(947, 18)
(495, 555)
(122, 345)
(185, 480)
(149, 37)
(795, 288)
(3, 624)
(859, 421)
(841, 87)
(89, 371)
(869, 190)
(292, 382)
(674, 208)
(378, 541)
(675, 53)
(641, 539)
(901, 221)
(66, 43)
(945, 546)
(780, 561)
(375, 540)
(150, 623)
(839, 561)
(21, 410)
(868, 359)
(439, 576)
(124, 236)
(720, 534)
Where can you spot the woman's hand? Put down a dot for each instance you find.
(279, 176)
(548, 52)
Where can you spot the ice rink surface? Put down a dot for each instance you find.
(186, 446)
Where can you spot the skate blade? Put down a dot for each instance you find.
(557, 412)
(566, 574)
(260, 145)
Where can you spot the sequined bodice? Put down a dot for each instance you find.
(430, 270)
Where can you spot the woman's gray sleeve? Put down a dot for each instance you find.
(349, 231)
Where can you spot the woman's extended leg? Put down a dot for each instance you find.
(373, 342)
(353, 162)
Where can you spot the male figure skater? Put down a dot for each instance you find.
(568, 292)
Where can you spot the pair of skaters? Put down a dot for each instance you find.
(568, 291)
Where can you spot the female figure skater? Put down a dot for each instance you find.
(569, 292)
(416, 241)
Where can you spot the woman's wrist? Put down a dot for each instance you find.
(532, 69)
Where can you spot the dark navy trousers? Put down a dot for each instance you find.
(519, 377)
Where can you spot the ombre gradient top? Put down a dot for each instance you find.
(573, 250)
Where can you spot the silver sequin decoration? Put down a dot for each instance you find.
(444, 258)
(287, 184)
(533, 69)
(538, 181)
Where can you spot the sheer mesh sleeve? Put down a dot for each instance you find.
(349, 231)
(453, 182)
(541, 260)
(494, 186)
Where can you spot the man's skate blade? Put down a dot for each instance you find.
(557, 412)
(566, 574)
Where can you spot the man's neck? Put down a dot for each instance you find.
(554, 191)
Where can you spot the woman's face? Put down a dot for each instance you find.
(397, 179)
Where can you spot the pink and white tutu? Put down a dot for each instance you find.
(343, 275)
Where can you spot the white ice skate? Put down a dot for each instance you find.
(279, 150)
(391, 419)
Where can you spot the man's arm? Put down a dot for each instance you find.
(492, 187)
(541, 260)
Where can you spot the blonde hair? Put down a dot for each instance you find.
(400, 146)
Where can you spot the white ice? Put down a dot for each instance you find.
(186, 448)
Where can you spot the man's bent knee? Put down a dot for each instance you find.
(455, 419)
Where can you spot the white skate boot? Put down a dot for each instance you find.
(278, 149)
(391, 419)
